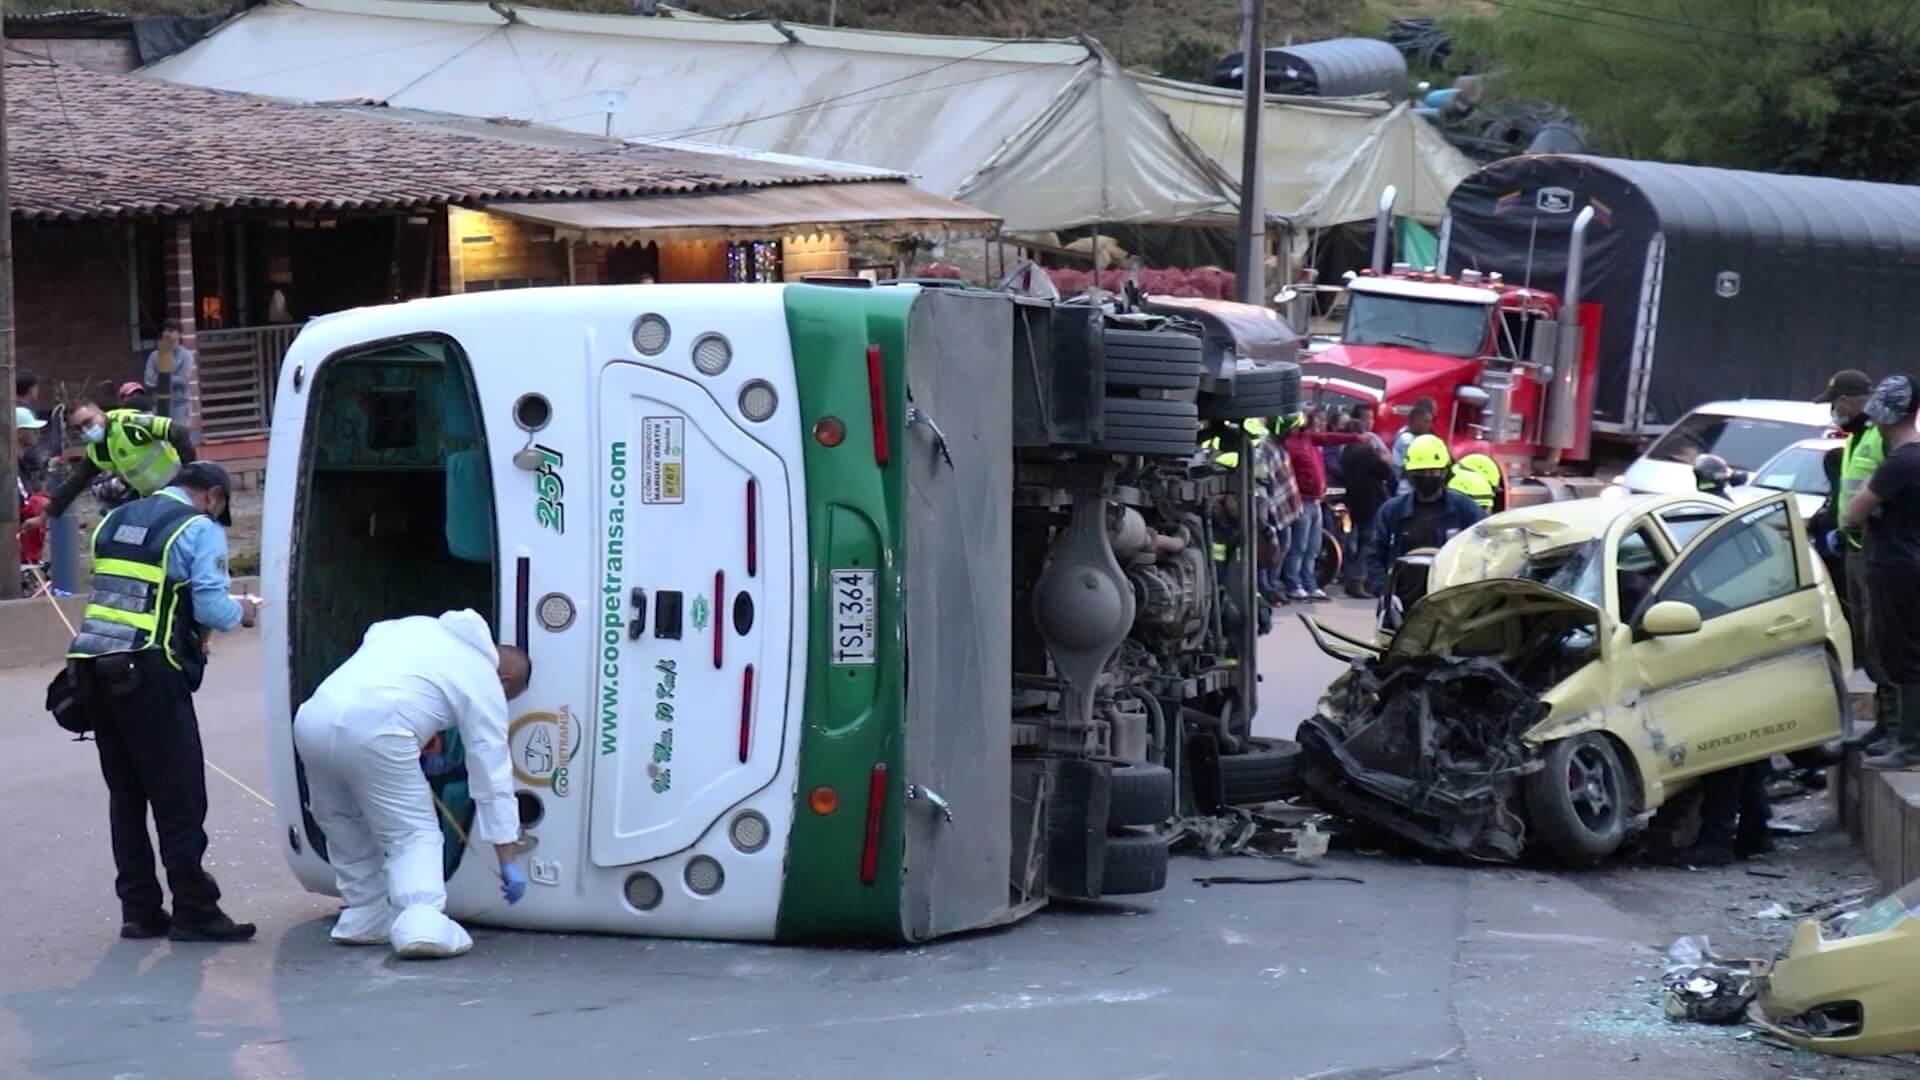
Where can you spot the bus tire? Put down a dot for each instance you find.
(1138, 794)
(1268, 770)
(1256, 393)
(1123, 342)
(1136, 862)
(1148, 426)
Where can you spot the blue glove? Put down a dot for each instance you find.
(434, 763)
(1830, 543)
(513, 882)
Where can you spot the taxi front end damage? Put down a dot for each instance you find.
(1851, 989)
(1433, 738)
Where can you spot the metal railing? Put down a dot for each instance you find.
(239, 370)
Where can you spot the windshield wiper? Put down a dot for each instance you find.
(1414, 340)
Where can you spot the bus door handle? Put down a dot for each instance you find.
(917, 418)
(915, 791)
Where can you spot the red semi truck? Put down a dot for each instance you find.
(1580, 301)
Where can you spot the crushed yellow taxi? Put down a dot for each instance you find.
(1855, 993)
(1574, 665)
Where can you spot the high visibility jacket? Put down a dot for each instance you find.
(134, 607)
(1858, 458)
(1474, 486)
(1255, 429)
(137, 450)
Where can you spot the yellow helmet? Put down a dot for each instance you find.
(1485, 466)
(1428, 452)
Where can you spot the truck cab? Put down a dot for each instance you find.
(1509, 369)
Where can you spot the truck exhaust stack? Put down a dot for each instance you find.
(1563, 392)
(1383, 229)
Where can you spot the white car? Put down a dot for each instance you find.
(1800, 468)
(1748, 433)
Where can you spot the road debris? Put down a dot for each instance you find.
(1259, 834)
(1775, 910)
(1703, 988)
(1284, 879)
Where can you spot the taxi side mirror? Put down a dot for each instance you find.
(1670, 618)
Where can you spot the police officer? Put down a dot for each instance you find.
(1847, 394)
(1712, 474)
(1478, 478)
(159, 578)
(143, 450)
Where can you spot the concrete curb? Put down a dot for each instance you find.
(1881, 811)
(32, 633)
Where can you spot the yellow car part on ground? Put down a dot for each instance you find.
(1857, 994)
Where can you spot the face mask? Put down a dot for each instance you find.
(93, 433)
(1429, 486)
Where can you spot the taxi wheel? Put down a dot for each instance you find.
(1579, 804)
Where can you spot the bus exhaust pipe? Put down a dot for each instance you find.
(1563, 393)
(1383, 228)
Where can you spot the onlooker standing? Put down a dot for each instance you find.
(30, 455)
(1888, 508)
(1283, 508)
(1419, 422)
(33, 538)
(1367, 468)
(1847, 394)
(1310, 471)
(170, 375)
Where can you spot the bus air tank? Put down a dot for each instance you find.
(1563, 394)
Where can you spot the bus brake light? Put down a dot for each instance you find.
(746, 712)
(877, 394)
(876, 805)
(719, 624)
(753, 530)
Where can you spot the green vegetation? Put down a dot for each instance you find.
(1807, 86)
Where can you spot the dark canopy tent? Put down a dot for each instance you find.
(1715, 283)
(1342, 67)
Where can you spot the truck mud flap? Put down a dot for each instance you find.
(1077, 829)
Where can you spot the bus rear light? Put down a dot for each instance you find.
(829, 431)
(642, 891)
(746, 712)
(704, 875)
(651, 334)
(877, 396)
(711, 354)
(823, 800)
(753, 529)
(749, 832)
(876, 806)
(719, 624)
(758, 401)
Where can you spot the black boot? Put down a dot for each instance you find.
(1906, 750)
(150, 925)
(220, 928)
(1878, 739)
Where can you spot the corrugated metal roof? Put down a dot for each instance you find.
(867, 208)
(84, 144)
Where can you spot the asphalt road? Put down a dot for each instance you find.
(1421, 971)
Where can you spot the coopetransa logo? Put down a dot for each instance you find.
(542, 746)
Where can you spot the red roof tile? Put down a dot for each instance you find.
(84, 144)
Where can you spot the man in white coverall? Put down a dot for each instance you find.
(361, 735)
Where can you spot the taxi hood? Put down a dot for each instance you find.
(1495, 619)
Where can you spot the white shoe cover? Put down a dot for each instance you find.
(425, 933)
(368, 925)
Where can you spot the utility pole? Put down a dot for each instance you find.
(1253, 216)
(9, 498)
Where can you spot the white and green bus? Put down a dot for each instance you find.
(857, 613)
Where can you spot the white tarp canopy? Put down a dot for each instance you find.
(1326, 159)
(1046, 135)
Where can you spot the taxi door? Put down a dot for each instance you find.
(1756, 673)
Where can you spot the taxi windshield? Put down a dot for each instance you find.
(1515, 551)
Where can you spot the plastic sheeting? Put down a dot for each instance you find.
(1326, 161)
(1046, 135)
(1340, 67)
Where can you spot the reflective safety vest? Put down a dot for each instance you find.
(1858, 458)
(1473, 486)
(1256, 432)
(134, 607)
(136, 450)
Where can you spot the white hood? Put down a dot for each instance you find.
(467, 625)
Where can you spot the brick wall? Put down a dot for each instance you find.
(181, 303)
(72, 310)
(116, 56)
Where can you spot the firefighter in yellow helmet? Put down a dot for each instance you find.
(1478, 478)
(1425, 517)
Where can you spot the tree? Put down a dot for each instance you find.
(1188, 58)
(1761, 84)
